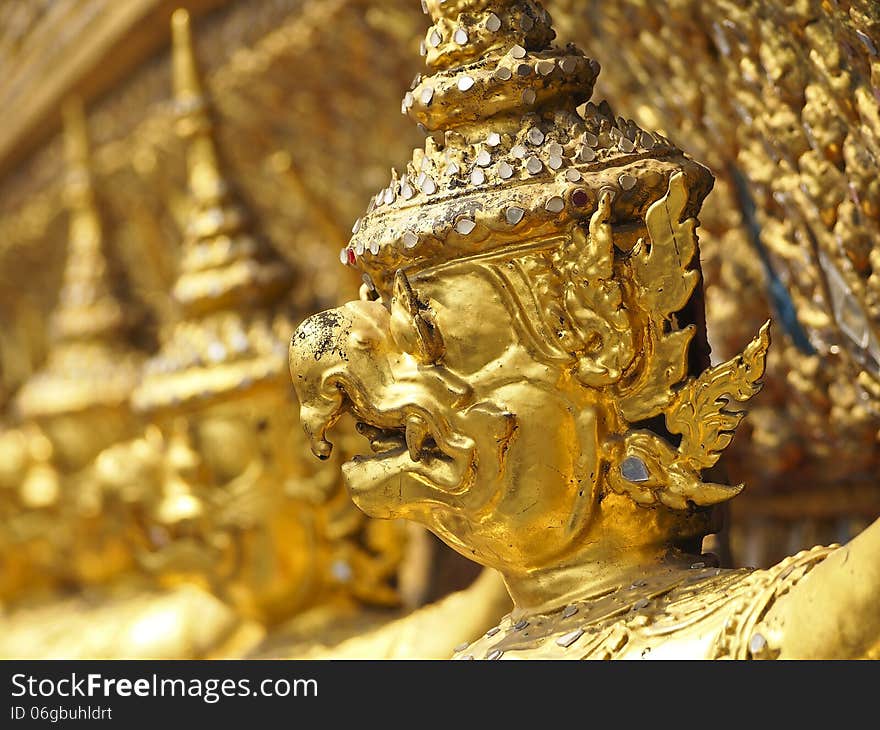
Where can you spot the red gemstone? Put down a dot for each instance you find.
(352, 259)
(580, 198)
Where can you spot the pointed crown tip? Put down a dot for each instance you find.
(180, 20)
(186, 78)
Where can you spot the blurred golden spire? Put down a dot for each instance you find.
(230, 286)
(88, 364)
(223, 264)
(183, 472)
(86, 307)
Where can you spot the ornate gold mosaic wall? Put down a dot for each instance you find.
(780, 100)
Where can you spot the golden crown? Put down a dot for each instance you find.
(513, 151)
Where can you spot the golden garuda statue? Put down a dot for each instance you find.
(528, 362)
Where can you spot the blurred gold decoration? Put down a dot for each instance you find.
(75, 537)
(72, 409)
(528, 361)
(29, 502)
(751, 88)
(235, 504)
(208, 534)
(81, 395)
(240, 506)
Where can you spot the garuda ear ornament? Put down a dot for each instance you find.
(608, 302)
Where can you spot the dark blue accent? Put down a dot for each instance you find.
(780, 299)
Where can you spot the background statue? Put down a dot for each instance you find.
(209, 534)
(75, 407)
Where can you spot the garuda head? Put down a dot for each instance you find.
(528, 353)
